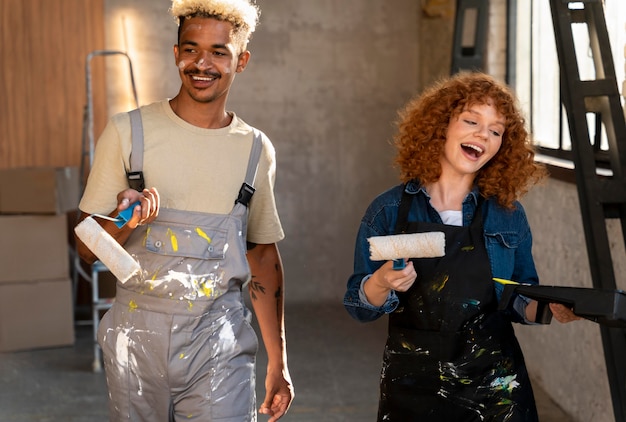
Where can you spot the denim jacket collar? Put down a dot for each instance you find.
(414, 187)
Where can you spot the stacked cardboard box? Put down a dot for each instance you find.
(36, 308)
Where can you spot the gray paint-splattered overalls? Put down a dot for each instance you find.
(177, 342)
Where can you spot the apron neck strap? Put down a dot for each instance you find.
(477, 221)
(403, 211)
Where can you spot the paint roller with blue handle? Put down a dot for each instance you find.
(400, 246)
(105, 247)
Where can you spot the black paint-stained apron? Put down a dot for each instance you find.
(450, 355)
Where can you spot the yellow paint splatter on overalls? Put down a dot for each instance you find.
(145, 238)
(132, 305)
(173, 240)
(203, 235)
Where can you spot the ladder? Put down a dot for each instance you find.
(98, 303)
(470, 35)
(600, 197)
(88, 141)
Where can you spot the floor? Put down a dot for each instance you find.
(334, 362)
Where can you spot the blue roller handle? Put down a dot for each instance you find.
(126, 215)
(398, 264)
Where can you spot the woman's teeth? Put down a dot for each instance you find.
(476, 150)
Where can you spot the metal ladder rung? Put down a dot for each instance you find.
(596, 88)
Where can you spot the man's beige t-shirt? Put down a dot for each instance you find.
(192, 168)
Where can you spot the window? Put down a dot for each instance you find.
(535, 67)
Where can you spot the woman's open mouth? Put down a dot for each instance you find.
(473, 150)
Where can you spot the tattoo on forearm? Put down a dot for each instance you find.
(256, 287)
(279, 304)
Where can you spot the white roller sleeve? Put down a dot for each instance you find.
(414, 245)
(102, 244)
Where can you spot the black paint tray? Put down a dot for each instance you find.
(606, 307)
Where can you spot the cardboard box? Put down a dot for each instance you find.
(39, 190)
(33, 247)
(36, 314)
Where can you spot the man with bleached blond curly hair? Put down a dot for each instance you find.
(177, 342)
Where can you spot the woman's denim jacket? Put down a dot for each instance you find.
(507, 238)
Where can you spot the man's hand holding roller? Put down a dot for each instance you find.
(145, 213)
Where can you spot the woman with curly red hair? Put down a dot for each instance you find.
(465, 158)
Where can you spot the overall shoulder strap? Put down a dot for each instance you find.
(247, 188)
(135, 173)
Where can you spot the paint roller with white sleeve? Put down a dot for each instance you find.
(107, 249)
(413, 245)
